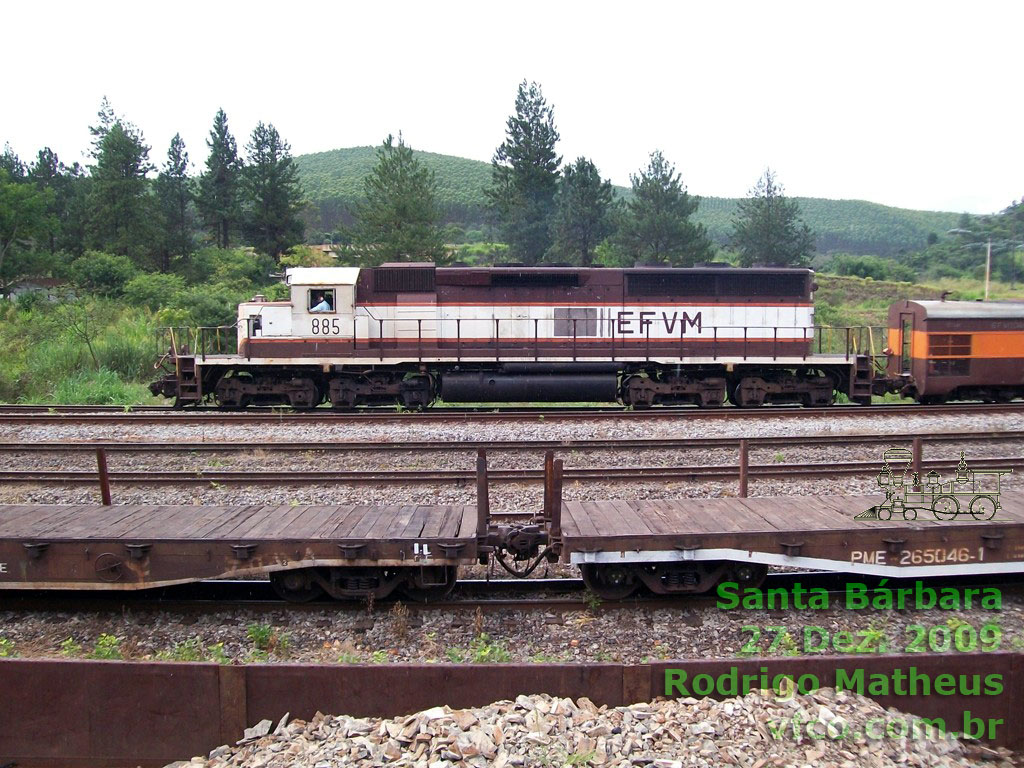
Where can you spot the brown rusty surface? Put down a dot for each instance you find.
(130, 547)
(391, 690)
(89, 713)
(106, 713)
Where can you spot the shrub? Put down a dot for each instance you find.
(152, 290)
(30, 300)
(128, 348)
(874, 267)
(209, 305)
(104, 274)
(305, 256)
(241, 267)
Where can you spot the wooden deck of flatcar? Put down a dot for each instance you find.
(806, 532)
(133, 547)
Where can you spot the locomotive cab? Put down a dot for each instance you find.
(322, 305)
(323, 301)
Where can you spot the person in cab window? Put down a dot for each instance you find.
(321, 306)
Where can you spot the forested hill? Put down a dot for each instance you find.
(333, 181)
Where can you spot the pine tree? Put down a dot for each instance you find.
(272, 194)
(67, 208)
(174, 197)
(657, 226)
(121, 210)
(12, 165)
(524, 177)
(219, 186)
(49, 173)
(582, 218)
(24, 220)
(106, 119)
(400, 219)
(767, 228)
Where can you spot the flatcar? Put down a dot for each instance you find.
(412, 333)
(956, 350)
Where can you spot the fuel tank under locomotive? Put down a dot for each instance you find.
(536, 382)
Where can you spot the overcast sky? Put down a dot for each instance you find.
(912, 104)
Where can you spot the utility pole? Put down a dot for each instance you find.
(988, 265)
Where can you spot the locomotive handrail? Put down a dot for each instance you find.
(848, 341)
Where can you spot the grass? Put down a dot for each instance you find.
(266, 640)
(107, 647)
(193, 650)
(102, 387)
(46, 357)
(69, 648)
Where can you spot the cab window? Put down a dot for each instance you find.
(321, 300)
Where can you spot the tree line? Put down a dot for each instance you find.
(120, 209)
(547, 212)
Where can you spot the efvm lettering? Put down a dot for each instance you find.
(630, 322)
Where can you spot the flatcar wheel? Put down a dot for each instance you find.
(748, 575)
(295, 586)
(609, 582)
(416, 590)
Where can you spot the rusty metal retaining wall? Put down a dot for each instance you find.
(95, 713)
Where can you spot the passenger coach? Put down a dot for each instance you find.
(957, 350)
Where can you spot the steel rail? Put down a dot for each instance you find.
(791, 441)
(459, 476)
(53, 415)
(546, 594)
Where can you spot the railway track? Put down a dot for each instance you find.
(10, 414)
(468, 476)
(555, 595)
(795, 441)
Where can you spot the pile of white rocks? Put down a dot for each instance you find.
(756, 731)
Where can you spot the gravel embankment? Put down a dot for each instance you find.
(259, 459)
(393, 632)
(756, 731)
(452, 432)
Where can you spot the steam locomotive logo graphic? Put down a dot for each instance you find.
(970, 494)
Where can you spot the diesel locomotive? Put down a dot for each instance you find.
(413, 333)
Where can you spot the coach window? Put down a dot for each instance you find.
(321, 300)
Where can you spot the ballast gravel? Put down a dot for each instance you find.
(838, 423)
(757, 730)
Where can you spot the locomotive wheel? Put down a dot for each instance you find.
(426, 593)
(609, 582)
(295, 586)
(228, 394)
(983, 507)
(946, 507)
